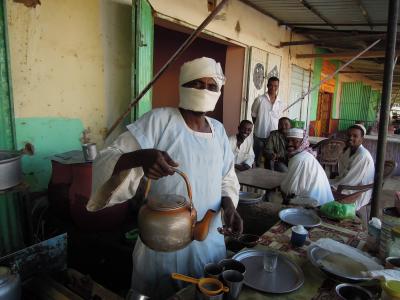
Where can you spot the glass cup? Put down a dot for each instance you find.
(270, 260)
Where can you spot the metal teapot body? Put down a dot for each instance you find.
(10, 285)
(169, 222)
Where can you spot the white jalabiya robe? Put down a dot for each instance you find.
(358, 169)
(244, 154)
(306, 178)
(207, 160)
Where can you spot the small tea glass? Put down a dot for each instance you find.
(270, 261)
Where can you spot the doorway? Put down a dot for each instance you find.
(168, 37)
(324, 113)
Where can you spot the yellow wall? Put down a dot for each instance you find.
(57, 61)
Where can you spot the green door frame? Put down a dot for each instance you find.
(11, 232)
(142, 58)
(7, 123)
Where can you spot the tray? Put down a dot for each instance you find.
(315, 254)
(300, 216)
(287, 278)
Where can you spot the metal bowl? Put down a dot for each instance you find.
(249, 198)
(347, 291)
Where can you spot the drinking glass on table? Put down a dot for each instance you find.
(270, 260)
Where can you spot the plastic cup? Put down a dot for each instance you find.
(299, 236)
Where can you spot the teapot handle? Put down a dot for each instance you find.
(185, 178)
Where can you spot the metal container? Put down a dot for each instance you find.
(347, 291)
(89, 151)
(390, 219)
(135, 295)
(10, 285)
(10, 169)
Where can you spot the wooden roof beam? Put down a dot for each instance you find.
(294, 24)
(342, 55)
(334, 38)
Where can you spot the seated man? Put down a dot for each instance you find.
(356, 166)
(275, 147)
(305, 176)
(242, 146)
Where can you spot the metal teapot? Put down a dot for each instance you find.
(10, 284)
(169, 222)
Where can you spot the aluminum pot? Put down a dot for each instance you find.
(10, 169)
(10, 285)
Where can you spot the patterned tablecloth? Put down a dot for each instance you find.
(317, 285)
(349, 232)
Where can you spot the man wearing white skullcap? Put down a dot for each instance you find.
(160, 141)
(305, 177)
(355, 165)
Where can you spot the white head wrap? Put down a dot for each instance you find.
(295, 133)
(200, 100)
(362, 127)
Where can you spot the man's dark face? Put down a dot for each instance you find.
(245, 130)
(207, 83)
(354, 137)
(273, 87)
(284, 125)
(293, 144)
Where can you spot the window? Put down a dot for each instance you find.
(300, 83)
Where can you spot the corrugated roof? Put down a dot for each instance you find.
(342, 14)
(326, 22)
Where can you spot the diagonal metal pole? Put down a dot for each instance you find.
(178, 52)
(333, 74)
(385, 104)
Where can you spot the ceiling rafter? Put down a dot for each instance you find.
(364, 13)
(334, 38)
(317, 13)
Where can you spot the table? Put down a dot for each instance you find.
(392, 148)
(260, 178)
(316, 139)
(317, 285)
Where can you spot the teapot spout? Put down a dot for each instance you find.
(200, 231)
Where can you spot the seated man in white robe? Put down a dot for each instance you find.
(355, 165)
(160, 141)
(242, 146)
(305, 177)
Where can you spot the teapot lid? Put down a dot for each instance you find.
(4, 274)
(166, 202)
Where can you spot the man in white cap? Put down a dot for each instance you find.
(355, 165)
(305, 176)
(160, 141)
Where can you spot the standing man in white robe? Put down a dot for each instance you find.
(164, 139)
(266, 111)
(242, 146)
(305, 176)
(355, 165)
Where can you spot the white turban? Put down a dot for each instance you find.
(361, 127)
(295, 133)
(200, 100)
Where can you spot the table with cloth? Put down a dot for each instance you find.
(316, 284)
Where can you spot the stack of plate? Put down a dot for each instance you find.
(248, 198)
(336, 265)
